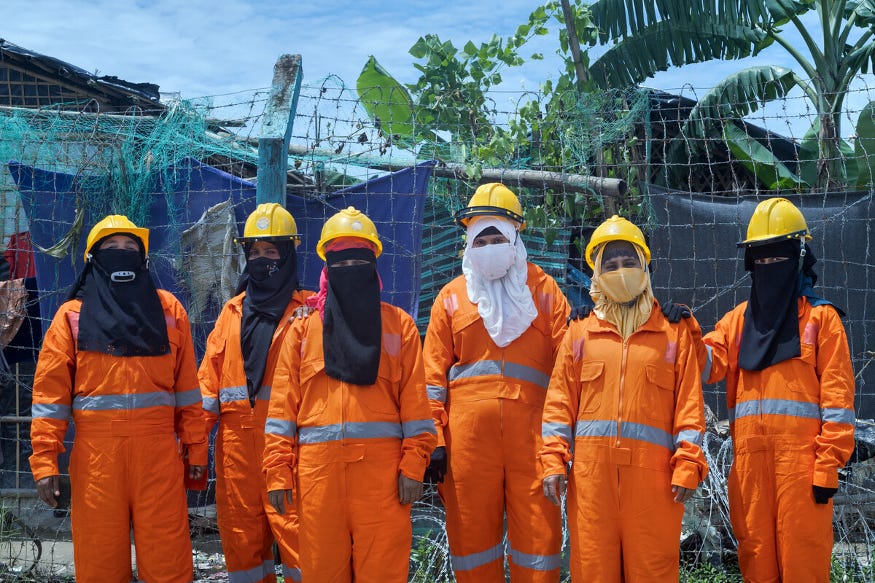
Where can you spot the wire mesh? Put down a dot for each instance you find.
(638, 137)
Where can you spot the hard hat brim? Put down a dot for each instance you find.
(769, 239)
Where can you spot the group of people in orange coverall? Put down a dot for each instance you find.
(332, 413)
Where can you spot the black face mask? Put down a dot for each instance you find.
(119, 265)
(261, 268)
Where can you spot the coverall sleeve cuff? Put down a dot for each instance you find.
(826, 477)
(686, 475)
(413, 467)
(552, 465)
(198, 454)
(46, 470)
(279, 479)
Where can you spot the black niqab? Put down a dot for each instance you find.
(771, 321)
(352, 330)
(270, 285)
(121, 312)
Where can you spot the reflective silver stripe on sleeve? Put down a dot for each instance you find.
(494, 367)
(228, 394)
(418, 427)
(360, 430)
(595, 428)
(535, 562)
(474, 560)
(263, 393)
(557, 430)
(647, 433)
(709, 363)
(436, 393)
(253, 575)
(835, 415)
(123, 402)
(282, 427)
(690, 436)
(50, 411)
(211, 405)
(187, 398)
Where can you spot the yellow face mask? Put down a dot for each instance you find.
(623, 285)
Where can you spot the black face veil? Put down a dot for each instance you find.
(771, 321)
(121, 312)
(270, 285)
(353, 331)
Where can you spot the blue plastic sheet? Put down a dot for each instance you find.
(395, 203)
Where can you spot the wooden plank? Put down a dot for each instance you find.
(276, 130)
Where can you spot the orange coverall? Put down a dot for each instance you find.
(340, 447)
(487, 403)
(792, 427)
(631, 416)
(248, 524)
(134, 418)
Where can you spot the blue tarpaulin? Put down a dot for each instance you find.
(395, 203)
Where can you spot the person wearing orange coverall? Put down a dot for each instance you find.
(349, 430)
(489, 349)
(118, 361)
(236, 377)
(625, 406)
(790, 396)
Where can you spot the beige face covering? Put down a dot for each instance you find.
(622, 297)
(624, 284)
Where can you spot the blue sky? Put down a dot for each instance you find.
(214, 47)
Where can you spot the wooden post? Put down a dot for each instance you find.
(276, 130)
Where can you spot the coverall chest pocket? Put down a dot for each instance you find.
(381, 397)
(803, 380)
(314, 396)
(468, 338)
(592, 386)
(658, 397)
(163, 368)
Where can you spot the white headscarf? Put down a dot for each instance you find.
(505, 304)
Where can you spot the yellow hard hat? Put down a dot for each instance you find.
(350, 222)
(492, 199)
(774, 220)
(113, 225)
(269, 221)
(615, 228)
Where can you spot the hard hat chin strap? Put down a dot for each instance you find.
(801, 255)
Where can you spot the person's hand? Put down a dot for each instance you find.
(302, 312)
(49, 489)
(409, 490)
(682, 494)
(277, 499)
(579, 313)
(674, 312)
(437, 466)
(822, 495)
(554, 488)
(196, 473)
